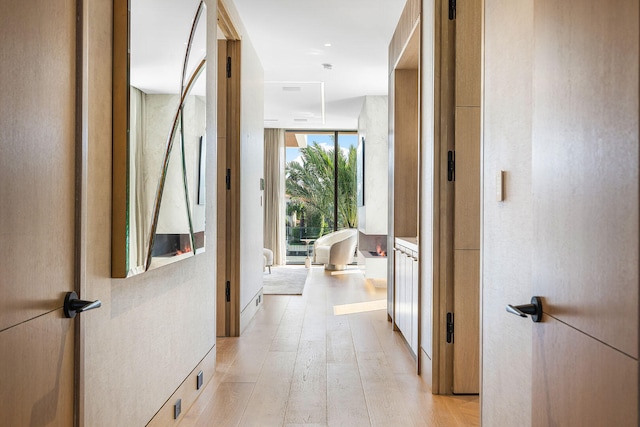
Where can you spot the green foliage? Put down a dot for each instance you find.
(311, 184)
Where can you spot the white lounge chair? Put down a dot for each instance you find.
(336, 250)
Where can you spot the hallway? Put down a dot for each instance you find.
(298, 363)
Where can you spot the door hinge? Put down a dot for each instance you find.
(228, 291)
(451, 166)
(228, 179)
(452, 10)
(449, 328)
(228, 67)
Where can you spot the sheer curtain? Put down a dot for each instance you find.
(274, 191)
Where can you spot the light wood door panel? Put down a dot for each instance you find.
(466, 348)
(466, 199)
(585, 186)
(228, 199)
(467, 183)
(468, 49)
(37, 119)
(37, 372)
(37, 208)
(222, 311)
(597, 386)
(585, 166)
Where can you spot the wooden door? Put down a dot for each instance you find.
(585, 188)
(37, 190)
(228, 188)
(223, 310)
(466, 223)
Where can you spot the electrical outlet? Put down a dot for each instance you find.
(177, 408)
(199, 380)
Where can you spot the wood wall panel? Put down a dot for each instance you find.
(406, 143)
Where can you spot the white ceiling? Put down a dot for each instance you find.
(290, 38)
(159, 33)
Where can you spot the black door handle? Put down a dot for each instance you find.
(73, 305)
(534, 309)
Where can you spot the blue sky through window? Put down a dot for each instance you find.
(345, 140)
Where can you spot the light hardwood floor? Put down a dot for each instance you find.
(298, 363)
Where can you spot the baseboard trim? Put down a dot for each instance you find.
(250, 310)
(186, 392)
(426, 369)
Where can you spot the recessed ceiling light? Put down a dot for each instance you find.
(327, 66)
(327, 45)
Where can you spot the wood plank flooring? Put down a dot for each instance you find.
(298, 363)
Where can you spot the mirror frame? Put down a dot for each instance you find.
(121, 117)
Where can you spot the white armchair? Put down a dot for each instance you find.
(336, 250)
(267, 259)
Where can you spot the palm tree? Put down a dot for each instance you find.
(311, 183)
(347, 197)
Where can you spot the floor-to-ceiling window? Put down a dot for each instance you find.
(320, 187)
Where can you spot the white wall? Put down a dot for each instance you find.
(154, 328)
(373, 125)
(507, 227)
(251, 167)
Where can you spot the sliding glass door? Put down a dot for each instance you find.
(320, 188)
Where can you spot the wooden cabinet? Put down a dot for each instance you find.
(406, 288)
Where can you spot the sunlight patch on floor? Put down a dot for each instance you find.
(359, 307)
(348, 271)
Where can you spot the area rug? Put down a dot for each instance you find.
(285, 280)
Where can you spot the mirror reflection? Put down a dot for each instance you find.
(166, 145)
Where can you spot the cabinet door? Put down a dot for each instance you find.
(402, 287)
(397, 301)
(414, 302)
(406, 331)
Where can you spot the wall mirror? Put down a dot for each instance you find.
(159, 125)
